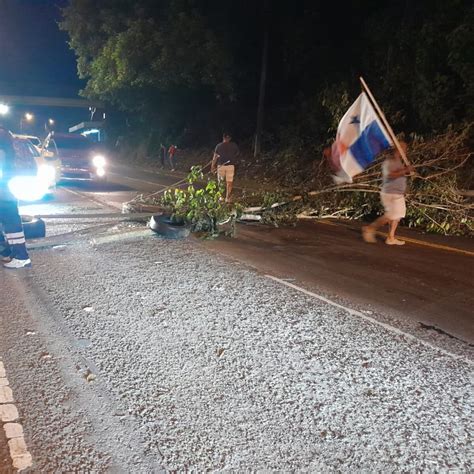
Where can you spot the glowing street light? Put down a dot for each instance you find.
(28, 117)
(51, 121)
(4, 109)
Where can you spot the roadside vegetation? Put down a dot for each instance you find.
(200, 204)
(182, 72)
(438, 200)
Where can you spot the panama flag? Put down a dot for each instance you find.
(360, 138)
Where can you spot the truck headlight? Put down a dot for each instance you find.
(47, 174)
(98, 161)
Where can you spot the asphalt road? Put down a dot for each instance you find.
(128, 353)
(422, 283)
(428, 287)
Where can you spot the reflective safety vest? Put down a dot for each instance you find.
(7, 162)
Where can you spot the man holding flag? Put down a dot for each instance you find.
(361, 135)
(392, 195)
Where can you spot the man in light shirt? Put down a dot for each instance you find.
(392, 195)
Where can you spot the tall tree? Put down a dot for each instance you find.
(196, 64)
(138, 45)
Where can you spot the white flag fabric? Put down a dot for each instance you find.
(361, 136)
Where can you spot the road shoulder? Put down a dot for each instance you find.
(421, 285)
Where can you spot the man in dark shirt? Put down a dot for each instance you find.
(224, 158)
(162, 155)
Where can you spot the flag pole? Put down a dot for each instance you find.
(385, 122)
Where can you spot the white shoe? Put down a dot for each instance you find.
(16, 263)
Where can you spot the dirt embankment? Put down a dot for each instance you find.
(269, 172)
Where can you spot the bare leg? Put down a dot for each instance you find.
(392, 228)
(220, 178)
(391, 239)
(379, 222)
(229, 185)
(368, 231)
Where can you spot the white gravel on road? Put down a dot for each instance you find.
(218, 368)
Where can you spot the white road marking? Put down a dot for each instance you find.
(6, 394)
(354, 312)
(13, 430)
(423, 243)
(21, 457)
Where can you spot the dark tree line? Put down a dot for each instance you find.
(190, 68)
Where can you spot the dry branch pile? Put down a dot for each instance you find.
(437, 199)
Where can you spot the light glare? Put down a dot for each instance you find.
(28, 188)
(98, 161)
(47, 174)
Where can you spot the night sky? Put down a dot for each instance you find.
(37, 61)
(35, 54)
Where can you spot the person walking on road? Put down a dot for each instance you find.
(12, 243)
(162, 155)
(392, 195)
(225, 155)
(171, 152)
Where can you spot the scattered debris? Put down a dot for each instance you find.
(88, 375)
